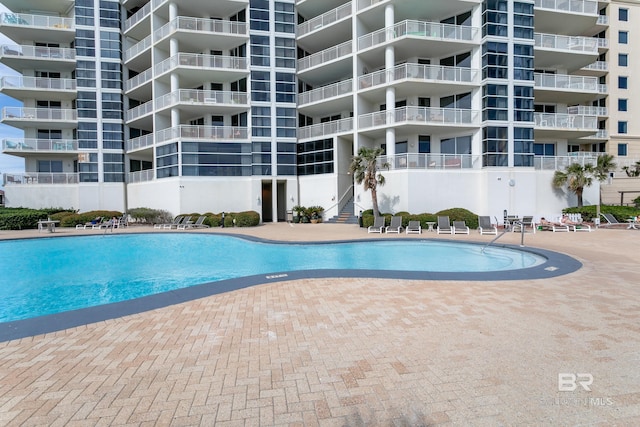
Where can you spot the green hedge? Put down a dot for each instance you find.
(85, 217)
(149, 216)
(455, 214)
(24, 218)
(620, 212)
(243, 219)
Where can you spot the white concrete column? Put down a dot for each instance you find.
(390, 95)
(173, 10)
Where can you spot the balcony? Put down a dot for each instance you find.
(564, 126)
(565, 16)
(417, 38)
(596, 69)
(564, 52)
(327, 65)
(16, 146)
(200, 34)
(21, 87)
(560, 163)
(23, 26)
(206, 133)
(329, 29)
(140, 51)
(134, 116)
(140, 176)
(22, 117)
(431, 161)
(31, 178)
(570, 89)
(602, 135)
(139, 86)
(588, 110)
(196, 68)
(20, 57)
(323, 130)
(418, 119)
(410, 79)
(333, 97)
(194, 101)
(51, 7)
(139, 143)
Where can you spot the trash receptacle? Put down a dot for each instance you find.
(289, 216)
(360, 222)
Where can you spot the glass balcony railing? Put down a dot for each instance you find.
(421, 72)
(564, 81)
(427, 30)
(326, 92)
(37, 83)
(589, 7)
(420, 115)
(38, 52)
(139, 111)
(324, 19)
(565, 121)
(37, 144)
(37, 21)
(588, 110)
(139, 142)
(555, 163)
(139, 79)
(203, 25)
(325, 129)
(431, 161)
(573, 43)
(40, 178)
(205, 97)
(191, 132)
(201, 61)
(336, 52)
(39, 114)
(137, 48)
(140, 176)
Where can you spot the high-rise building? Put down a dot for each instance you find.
(234, 105)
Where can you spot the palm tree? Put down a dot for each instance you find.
(604, 166)
(364, 168)
(576, 177)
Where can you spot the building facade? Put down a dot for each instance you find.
(231, 105)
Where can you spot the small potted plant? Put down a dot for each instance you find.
(315, 214)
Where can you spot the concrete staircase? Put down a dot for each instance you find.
(345, 216)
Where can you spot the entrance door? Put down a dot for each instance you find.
(267, 209)
(282, 200)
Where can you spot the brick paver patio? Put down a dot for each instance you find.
(353, 352)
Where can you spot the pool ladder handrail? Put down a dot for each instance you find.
(506, 229)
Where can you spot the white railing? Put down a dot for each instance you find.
(206, 97)
(325, 19)
(201, 61)
(555, 163)
(575, 6)
(24, 113)
(588, 110)
(603, 20)
(427, 30)
(140, 176)
(41, 21)
(597, 66)
(564, 81)
(325, 92)
(565, 121)
(139, 111)
(431, 161)
(137, 17)
(324, 129)
(138, 48)
(185, 23)
(436, 73)
(336, 52)
(202, 132)
(420, 115)
(39, 83)
(602, 43)
(40, 178)
(600, 134)
(573, 43)
(139, 79)
(139, 142)
(38, 52)
(363, 4)
(37, 144)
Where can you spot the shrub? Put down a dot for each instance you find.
(150, 216)
(24, 218)
(461, 214)
(85, 217)
(620, 212)
(246, 219)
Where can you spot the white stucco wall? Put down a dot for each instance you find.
(320, 190)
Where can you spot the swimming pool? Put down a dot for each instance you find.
(56, 275)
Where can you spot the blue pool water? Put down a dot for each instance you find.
(45, 276)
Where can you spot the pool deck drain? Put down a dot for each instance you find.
(352, 351)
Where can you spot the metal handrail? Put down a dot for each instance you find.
(520, 223)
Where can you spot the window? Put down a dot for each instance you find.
(424, 144)
(622, 127)
(459, 145)
(623, 37)
(622, 149)
(547, 149)
(50, 166)
(110, 44)
(623, 59)
(623, 82)
(623, 14)
(622, 104)
(315, 157)
(113, 167)
(260, 86)
(259, 15)
(260, 50)
(110, 14)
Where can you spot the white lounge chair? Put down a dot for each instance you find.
(378, 225)
(413, 227)
(485, 226)
(526, 221)
(444, 226)
(395, 226)
(198, 224)
(612, 221)
(460, 227)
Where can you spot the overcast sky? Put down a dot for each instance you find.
(8, 164)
